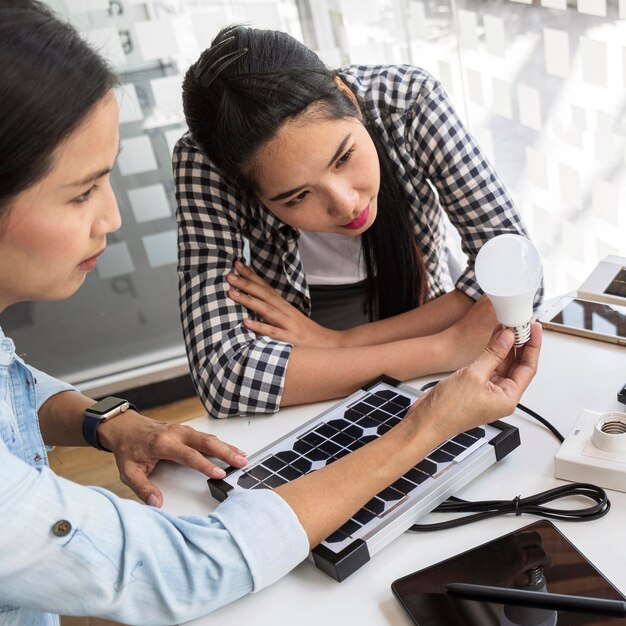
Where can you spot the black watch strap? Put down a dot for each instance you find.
(92, 420)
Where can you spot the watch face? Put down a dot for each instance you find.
(106, 405)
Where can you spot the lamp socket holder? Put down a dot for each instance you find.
(595, 451)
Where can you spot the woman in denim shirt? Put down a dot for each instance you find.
(69, 549)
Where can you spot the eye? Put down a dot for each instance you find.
(296, 200)
(345, 157)
(85, 196)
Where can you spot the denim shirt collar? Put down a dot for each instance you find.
(7, 350)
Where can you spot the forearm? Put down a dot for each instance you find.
(107, 566)
(61, 418)
(431, 318)
(325, 499)
(487, 389)
(315, 374)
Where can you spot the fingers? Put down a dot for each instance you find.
(244, 271)
(254, 304)
(178, 443)
(246, 280)
(525, 368)
(211, 445)
(246, 287)
(134, 476)
(188, 447)
(263, 329)
(494, 353)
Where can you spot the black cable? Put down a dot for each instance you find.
(542, 420)
(532, 505)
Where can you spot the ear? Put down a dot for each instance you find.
(348, 93)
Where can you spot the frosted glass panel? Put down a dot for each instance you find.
(540, 83)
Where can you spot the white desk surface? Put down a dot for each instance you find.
(574, 374)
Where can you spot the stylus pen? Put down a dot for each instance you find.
(537, 599)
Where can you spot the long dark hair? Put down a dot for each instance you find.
(51, 80)
(237, 96)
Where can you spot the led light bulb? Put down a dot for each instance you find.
(508, 269)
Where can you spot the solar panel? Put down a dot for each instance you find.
(345, 427)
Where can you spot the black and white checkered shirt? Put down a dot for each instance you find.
(440, 168)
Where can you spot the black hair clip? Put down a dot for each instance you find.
(208, 64)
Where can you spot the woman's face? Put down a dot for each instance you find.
(55, 229)
(320, 175)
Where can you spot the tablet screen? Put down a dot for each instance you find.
(608, 319)
(506, 562)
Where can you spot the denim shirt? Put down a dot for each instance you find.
(73, 550)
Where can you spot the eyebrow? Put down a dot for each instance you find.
(340, 149)
(99, 174)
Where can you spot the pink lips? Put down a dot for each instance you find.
(359, 221)
(89, 264)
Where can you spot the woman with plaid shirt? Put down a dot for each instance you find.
(338, 182)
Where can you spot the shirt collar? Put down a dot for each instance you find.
(7, 350)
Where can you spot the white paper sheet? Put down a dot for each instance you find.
(592, 7)
(502, 98)
(557, 52)
(173, 135)
(605, 201)
(161, 248)
(137, 156)
(569, 186)
(529, 106)
(537, 168)
(130, 109)
(468, 29)
(206, 24)
(149, 203)
(579, 117)
(115, 261)
(593, 58)
(475, 86)
(554, 4)
(107, 43)
(82, 6)
(495, 36)
(417, 20)
(156, 39)
(168, 94)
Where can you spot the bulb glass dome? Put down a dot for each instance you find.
(508, 269)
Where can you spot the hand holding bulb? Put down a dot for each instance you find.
(508, 269)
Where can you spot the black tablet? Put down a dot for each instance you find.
(535, 557)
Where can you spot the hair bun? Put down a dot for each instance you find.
(212, 62)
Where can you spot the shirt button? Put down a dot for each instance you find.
(61, 528)
(37, 458)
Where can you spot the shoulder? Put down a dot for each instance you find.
(390, 88)
(187, 152)
(197, 175)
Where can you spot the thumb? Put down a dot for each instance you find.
(494, 353)
(146, 490)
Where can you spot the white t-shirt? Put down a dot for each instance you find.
(331, 259)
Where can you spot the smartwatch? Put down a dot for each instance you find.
(100, 412)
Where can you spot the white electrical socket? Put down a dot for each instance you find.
(595, 451)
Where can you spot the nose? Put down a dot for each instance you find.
(108, 218)
(344, 201)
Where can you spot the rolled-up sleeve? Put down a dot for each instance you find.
(234, 372)
(47, 386)
(124, 561)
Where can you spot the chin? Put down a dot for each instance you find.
(62, 292)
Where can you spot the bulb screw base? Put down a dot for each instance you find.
(522, 334)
